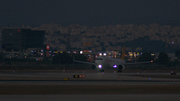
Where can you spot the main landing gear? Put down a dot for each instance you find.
(102, 70)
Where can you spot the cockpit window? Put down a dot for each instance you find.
(99, 59)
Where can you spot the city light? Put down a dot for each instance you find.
(152, 54)
(81, 52)
(100, 54)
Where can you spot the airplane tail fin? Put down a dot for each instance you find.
(123, 52)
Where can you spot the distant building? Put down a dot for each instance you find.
(21, 39)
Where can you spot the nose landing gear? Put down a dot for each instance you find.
(101, 70)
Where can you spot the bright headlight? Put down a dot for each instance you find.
(100, 66)
(115, 66)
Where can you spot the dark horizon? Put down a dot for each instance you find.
(89, 12)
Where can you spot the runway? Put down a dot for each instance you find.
(91, 78)
(24, 81)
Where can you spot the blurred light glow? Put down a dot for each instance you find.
(100, 54)
(104, 54)
(131, 54)
(100, 66)
(115, 66)
(81, 52)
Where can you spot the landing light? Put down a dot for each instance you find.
(100, 66)
(115, 66)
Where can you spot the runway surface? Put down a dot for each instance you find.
(89, 79)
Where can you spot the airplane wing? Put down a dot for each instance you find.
(137, 63)
(85, 62)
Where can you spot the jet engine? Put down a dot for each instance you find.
(120, 68)
(93, 66)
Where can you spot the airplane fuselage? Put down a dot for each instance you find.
(108, 63)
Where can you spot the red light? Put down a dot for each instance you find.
(47, 47)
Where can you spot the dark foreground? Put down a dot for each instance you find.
(87, 89)
(93, 97)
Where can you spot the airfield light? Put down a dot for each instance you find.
(152, 54)
(100, 54)
(100, 66)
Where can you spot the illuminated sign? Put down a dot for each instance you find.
(47, 47)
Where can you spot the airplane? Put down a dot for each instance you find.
(102, 63)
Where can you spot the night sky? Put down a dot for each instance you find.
(89, 12)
